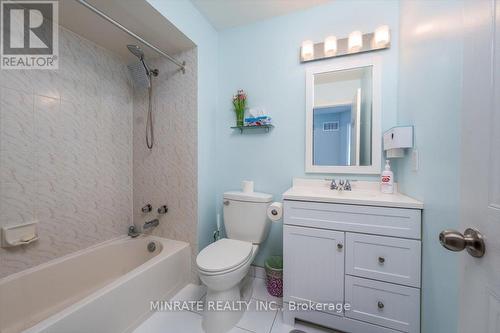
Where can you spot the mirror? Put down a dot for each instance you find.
(342, 117)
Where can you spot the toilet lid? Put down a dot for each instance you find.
(223, 255)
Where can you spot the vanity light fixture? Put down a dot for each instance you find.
(307, 50)
(382, 36)
(330, 46)
(355, 41)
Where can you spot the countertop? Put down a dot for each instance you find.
(363, 193)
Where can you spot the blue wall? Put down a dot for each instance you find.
(429, 97)
(189, 20)
(330, 147)
(263, 59)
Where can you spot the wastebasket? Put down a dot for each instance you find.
(274, 275)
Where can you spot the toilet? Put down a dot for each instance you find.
(223, 265)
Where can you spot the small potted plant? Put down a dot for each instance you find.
(239, 103)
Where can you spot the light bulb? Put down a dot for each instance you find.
(355, 42)
(382, 36)
(330, 46)
(307, 50)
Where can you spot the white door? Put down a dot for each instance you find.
(480, 167)
(314, 261)
(355, 129)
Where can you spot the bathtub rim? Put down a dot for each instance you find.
(51, 320)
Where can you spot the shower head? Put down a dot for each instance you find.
(140, 76)
(136, 50)
(141, 72)
(143, 77)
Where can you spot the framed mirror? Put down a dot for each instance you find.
(343, 130)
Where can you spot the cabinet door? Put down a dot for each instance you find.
(313, 266)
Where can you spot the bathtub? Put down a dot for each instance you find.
(103, 289)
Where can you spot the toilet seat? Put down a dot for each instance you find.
(224, 256)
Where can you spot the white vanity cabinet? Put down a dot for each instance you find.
(365, 256)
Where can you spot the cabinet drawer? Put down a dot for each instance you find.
(383, 304)
(397, 222)
(388, 259)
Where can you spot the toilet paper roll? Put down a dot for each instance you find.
(275, 211)
(247, 186)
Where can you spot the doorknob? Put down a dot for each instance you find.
(472, 240)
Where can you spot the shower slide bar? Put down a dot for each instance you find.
(182, 65)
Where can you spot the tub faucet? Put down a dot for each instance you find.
(151, 224)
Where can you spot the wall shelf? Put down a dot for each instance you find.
(267, 128)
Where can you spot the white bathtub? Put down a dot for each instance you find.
(103, 289)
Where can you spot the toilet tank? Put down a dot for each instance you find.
(245, 216)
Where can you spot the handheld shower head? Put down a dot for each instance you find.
(139, 53)
(143, 77)
(136, 50)
(141, 72)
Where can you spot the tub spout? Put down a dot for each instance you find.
(151, 224)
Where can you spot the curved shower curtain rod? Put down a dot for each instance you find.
(139, 38)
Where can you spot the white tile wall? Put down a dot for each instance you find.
(66, 152)
(168, 173)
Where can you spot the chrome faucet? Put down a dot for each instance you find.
(151, 224)
(343, 185)
(133, 232)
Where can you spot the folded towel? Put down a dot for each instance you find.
(258, 121)
(252, 119)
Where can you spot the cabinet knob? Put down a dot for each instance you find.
(340, 246)
(380, 305)
(381, 260)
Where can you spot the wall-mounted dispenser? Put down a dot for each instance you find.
(396, 140)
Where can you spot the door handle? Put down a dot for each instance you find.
(472, 240)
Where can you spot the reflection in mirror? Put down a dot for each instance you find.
(342, 117)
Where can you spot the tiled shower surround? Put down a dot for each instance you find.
(66, 153)
(167, 173)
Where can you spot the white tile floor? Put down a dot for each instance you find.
(251, 321)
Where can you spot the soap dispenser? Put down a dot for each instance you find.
(387, 179)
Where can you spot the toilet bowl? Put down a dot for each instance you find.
(223, 265)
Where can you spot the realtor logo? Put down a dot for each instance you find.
(29, 31)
